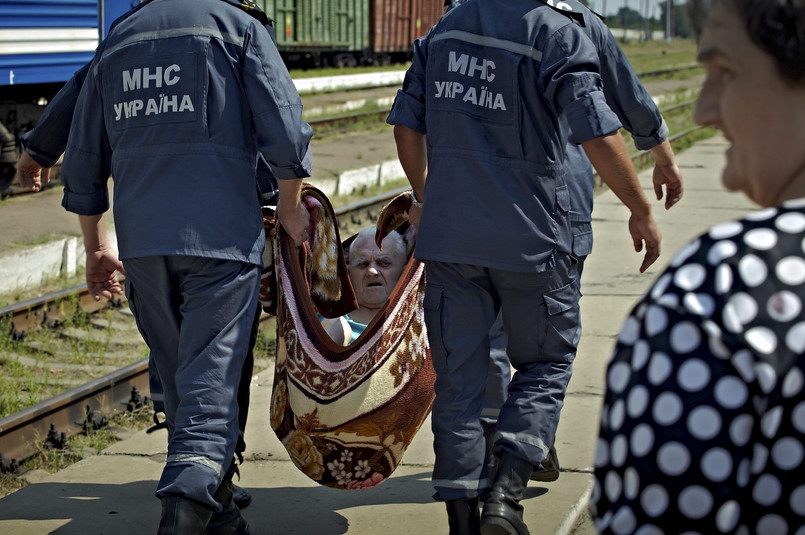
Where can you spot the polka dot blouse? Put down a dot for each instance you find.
(703, 423)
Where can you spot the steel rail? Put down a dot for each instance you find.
(69, 412)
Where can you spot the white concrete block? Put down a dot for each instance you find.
(349, 181)
(32, 267)
(69, 257)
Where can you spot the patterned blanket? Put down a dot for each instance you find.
(346, 414)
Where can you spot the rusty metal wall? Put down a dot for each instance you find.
(396, 24)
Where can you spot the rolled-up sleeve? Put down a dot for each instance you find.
(628, 98)
(87, 158)
(47, 141)
(571, 77)
(409, 104)
(283, 136)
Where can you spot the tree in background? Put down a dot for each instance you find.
(680, 20)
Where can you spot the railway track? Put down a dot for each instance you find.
(106, 333)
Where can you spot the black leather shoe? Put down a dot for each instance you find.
(181, 516)
(242, 497)
(463, 517)
(503, 514)
(550, 468)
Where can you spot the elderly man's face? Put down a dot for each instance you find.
(373, 272)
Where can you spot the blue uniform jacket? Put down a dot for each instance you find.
(630, 101)
(176, 108)
(489, 86)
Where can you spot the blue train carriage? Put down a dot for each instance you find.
(42, 43)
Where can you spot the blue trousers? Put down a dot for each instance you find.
(541, 318)
(244, 389)
(196, 315)
(499, 376)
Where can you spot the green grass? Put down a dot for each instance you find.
(659, 54)
(646, 56)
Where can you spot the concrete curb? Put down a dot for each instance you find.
(352, 81)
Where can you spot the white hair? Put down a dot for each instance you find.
(394, 237)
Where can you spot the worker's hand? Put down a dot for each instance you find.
(671, 177)
(31, 175)
(644, 229)
(102, 268)
(295, 220)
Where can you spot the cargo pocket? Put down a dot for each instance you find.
(432, 303)
(582, 239)
(563, 198)
(563, 324)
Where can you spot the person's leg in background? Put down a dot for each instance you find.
(497, 381)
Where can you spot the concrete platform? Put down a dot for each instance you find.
(112, 493)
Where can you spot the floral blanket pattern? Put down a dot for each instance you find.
(346, 415)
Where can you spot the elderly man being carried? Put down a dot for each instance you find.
(374, 273)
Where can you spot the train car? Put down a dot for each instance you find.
(42, 44)
(346, 33)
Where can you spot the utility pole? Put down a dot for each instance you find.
(623, 21)
(668, 14)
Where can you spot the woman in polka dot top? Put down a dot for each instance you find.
(703, 424)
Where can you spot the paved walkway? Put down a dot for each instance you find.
(112, 493)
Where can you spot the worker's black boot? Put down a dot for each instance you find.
(241, 496)
(228, 521)
(489, 440)
(463, 516)
(503, 514)
(181, 516)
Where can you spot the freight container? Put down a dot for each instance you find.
(345, 33)
(397, 23)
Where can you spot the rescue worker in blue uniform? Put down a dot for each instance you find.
(184, 95)
(638, 113)
(480, 116)
(42, 148)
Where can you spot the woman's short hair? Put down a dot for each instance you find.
(775, 26)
